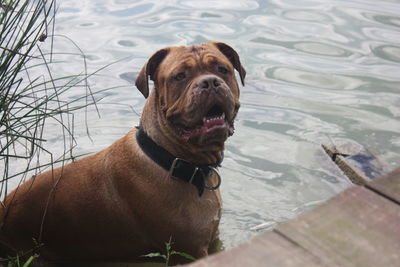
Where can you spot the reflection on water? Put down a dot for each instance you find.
(317, 71)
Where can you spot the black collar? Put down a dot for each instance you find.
(176, 167)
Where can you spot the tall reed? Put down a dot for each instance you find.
(31, 95)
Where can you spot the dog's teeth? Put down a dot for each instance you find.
(213, 119)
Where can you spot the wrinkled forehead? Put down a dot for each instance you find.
(192, 56)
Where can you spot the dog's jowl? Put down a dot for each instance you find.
(158, 182)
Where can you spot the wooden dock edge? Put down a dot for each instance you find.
(358, 227)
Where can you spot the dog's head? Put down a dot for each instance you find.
(195, 91)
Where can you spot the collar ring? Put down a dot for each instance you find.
(213, 188)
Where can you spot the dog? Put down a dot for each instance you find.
(159, 182)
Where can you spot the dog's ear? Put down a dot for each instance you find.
(142, 80)
(233, 57)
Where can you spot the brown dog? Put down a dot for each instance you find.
(155, 183)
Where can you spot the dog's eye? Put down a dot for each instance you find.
(180, 76)
(222, 70)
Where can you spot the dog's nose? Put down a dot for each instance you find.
(209, 82)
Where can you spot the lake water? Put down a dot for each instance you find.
(319, 72)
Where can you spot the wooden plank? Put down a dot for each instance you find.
(355, 228)
(267, 249)
(388, 185)
(356, 162)
(353, 173)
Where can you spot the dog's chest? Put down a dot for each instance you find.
(189, 222)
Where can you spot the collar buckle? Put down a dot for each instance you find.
(173, 166)
(196, 169)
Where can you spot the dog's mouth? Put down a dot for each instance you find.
(215, 123)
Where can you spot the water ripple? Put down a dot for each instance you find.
(317, 48)
(387, 52)
(314, 79)
(307, 15)
(218, 5)
(386, 19)
(125, 12)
